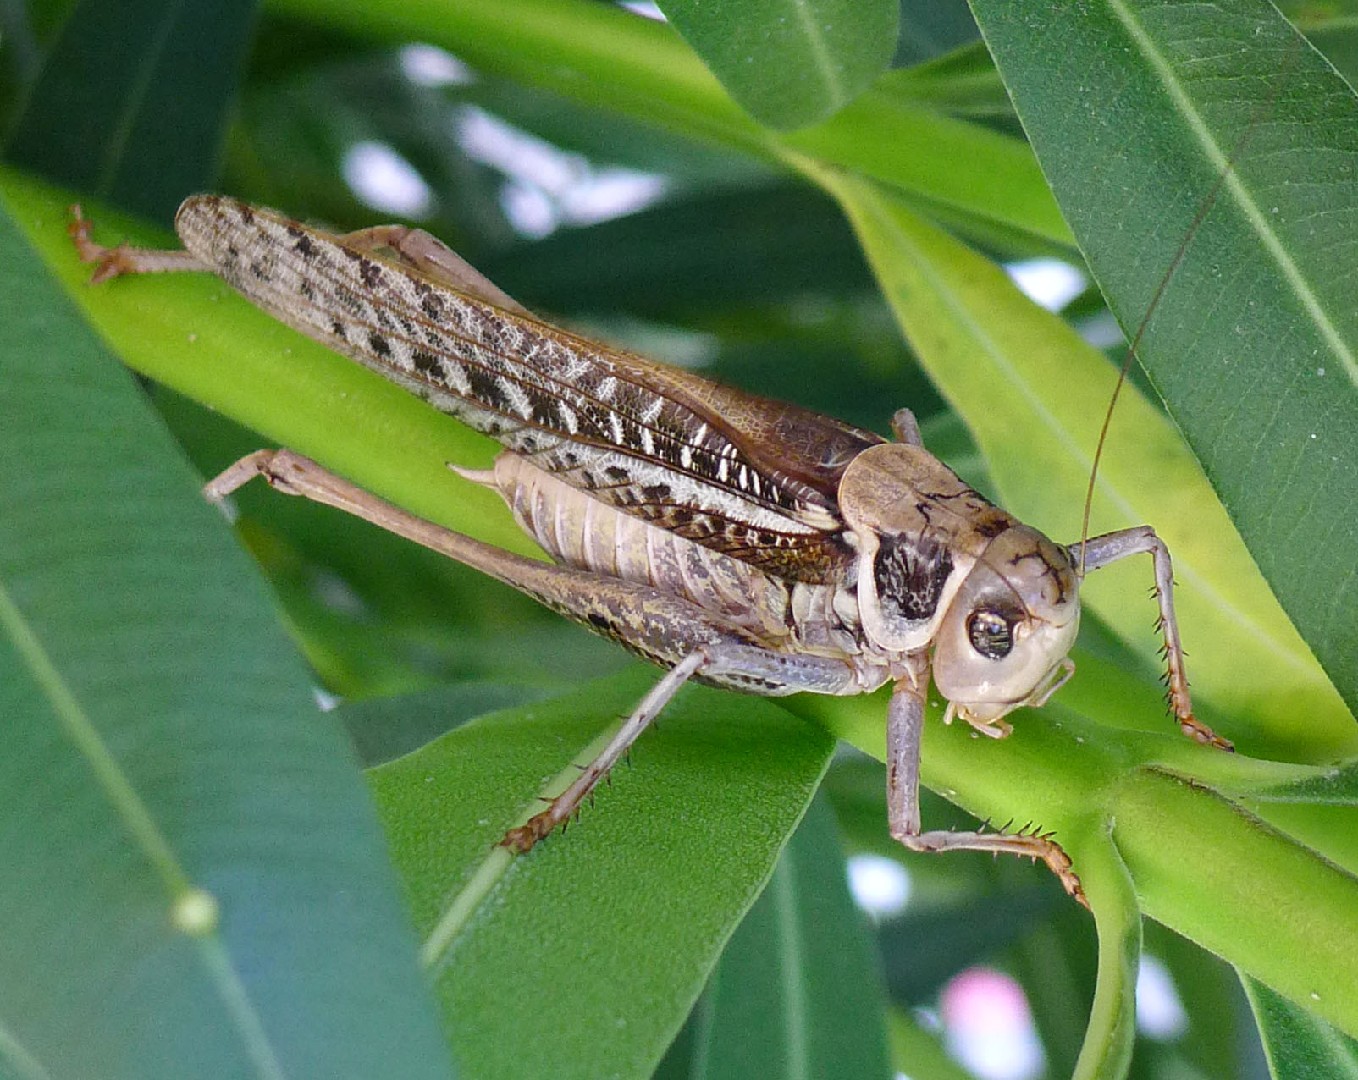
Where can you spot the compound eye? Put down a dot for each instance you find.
(990, 634)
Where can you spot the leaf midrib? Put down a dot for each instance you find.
(138, 821)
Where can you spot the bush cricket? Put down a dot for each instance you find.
(730, 539)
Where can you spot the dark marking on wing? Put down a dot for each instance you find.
(426, 363)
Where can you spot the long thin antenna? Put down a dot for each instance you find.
(1237, 152)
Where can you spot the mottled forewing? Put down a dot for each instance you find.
(752, 478)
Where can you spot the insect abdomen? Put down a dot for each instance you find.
(582, 532)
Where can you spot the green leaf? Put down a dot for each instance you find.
(911, 146)
(1107, 1049)
(790, 62)
(386, 728)
(794, 994)
(1255, 895)
(600, 56)
(194, 879)
(1338, 786)
(963, 82)
(917, 1052)
(133, 100)
(1298, 1045)
(1253, 341)
(222, 353)
(605, 934)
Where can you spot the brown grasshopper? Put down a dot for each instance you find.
(731, 539)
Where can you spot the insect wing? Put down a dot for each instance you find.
(739, 474)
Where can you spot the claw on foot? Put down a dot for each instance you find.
(1200, 732)
(521, 839)
(1058, 862)
(108, 262)
(1043, 847)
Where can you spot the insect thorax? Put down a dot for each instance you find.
(939, 565)
(918, 530)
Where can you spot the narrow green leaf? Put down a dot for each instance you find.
(133, 100)
(1299, 1046)
(604, 934)
(1338, 786)
(794, 994)
(917, 1052)
(1107, 1048)
(386, 728)
(963, 82)
(194, 879)
(191, 333)
(596, 54)
(790, 62)
(1253, 895)
(1143, 112)
(912, 146)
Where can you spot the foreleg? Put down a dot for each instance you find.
(905, 729)
(1099, 551)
